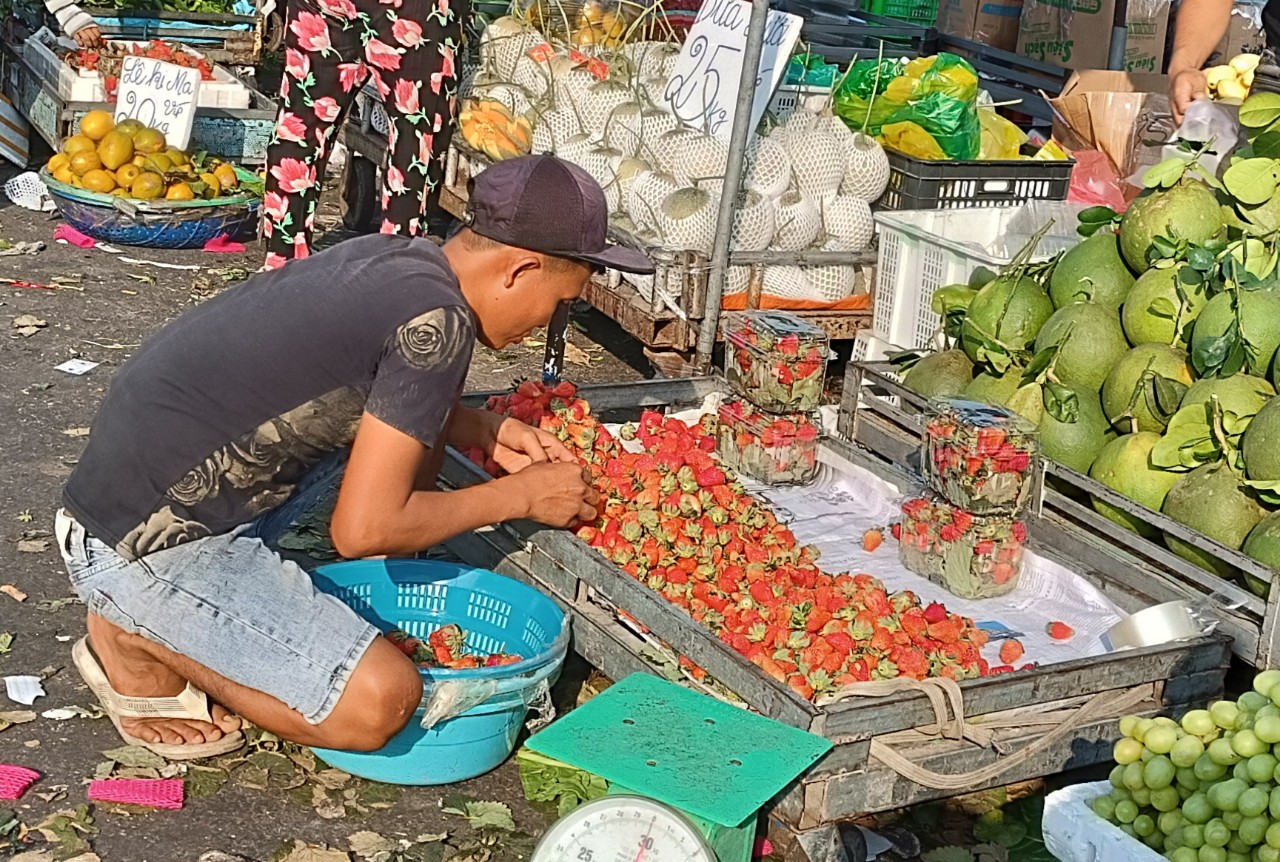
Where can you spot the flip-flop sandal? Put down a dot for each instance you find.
(190, 703)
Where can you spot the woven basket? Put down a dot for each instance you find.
(154, 224)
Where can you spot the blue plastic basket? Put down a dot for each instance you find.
(154, 224)
(499, 615)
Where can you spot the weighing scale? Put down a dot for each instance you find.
(687, 774)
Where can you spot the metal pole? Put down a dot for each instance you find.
(1119, 37)
(557, 332)
(732, 180)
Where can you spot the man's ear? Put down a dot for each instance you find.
(521, 265)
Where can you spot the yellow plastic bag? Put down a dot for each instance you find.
(1001, 139)
(912, 140)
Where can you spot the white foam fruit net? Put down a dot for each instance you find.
(28, 191)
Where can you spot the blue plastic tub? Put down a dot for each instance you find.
(499, 615)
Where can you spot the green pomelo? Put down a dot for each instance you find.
(1187, 211)
(1145, 317)
(1261, 445)
(1241, 394)
(1093, 271)
(1127, 377)
(1076, 444)
(1124, 465)
(1263, 544)
(1028, 402)
(940, 375)
(1009, 311)
(989, 389)
(1212, 501)
(1259, 313)
(1089, 341)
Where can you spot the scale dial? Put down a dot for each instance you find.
(623, 829)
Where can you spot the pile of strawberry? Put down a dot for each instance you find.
(445, 648)
(673, 518)
(108, 62)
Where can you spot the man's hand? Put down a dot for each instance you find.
(554, 494)
(1184, 88)
(517, 446)
(89, 37)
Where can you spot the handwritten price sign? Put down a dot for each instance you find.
(160, 95)
(702, 90)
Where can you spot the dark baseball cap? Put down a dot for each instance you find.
(548, 205)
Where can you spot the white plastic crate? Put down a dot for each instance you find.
(922, 250)
(789, 97)
(1073, 833)
(77, 85)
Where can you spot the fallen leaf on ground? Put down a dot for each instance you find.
(68, 829)
(31, 743)
(25, 516)
(52, 605)
(204, 780)
(371, 846)
(135, 756)
(76, 432)
(28, 325)
(19, 716)
(575, 354)
(13, 592)
(302, 852)
(33, 546)
(480, 814)
(6, 642)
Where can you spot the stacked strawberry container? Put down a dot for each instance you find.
(980, 464)
(776, 364)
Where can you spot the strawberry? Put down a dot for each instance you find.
(935, 613)
(1059, 631)
(872, 539)
(1010, 651)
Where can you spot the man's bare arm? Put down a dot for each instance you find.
(380, 511)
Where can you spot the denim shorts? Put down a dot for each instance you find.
(231, 603)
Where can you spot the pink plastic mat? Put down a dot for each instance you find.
(14, 780)
(151, 792)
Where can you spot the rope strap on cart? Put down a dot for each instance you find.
(947, 701)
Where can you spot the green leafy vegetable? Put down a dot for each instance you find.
(548, 780)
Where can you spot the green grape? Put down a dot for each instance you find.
(1160, 739)
(1241, 772)
(1170, 822)
(1251, 701)
(1144, 725)
(1199, 722)
(1263, 681)
(1159, 771)
(1128, 725)
(1246, 743)
(1126, 811)
(1216, 833)
(1105, 807)
(1238, 857)
(1273, 836)
(1208, 769)
(1220, 751)
(1165, 799)
(1267, 727)
(1267, 853)
(1253, 802)
(1117, 776)
(1186, 751)
(1253, 830)
(1209, 853)
(1186, 776)
(1143, 825)
(1224, 714)
(1155, 841)
(1236, 845)
(1132, 777)
(1233, 819)
(1192, 835)
(1225, 795)
(1146, 755)
(1262, 767)
(1142, 797)
(1273, 807)
(1184, 854)
(1128, 750)
(1198, 809)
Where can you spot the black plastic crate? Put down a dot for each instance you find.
(921, 184)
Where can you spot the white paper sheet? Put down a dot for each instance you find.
(23, 689)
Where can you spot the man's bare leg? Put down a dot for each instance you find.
(377, 702)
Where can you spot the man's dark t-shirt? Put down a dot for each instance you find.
(220, 413)
(1270, 24)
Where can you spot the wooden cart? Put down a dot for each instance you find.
(240, 135)
(1059, 717)
(1250, 621)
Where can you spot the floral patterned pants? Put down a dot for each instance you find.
(332, 47)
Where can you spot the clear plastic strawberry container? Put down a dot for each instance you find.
(777, 449)
(775, 360)
(971, 556)
(980, 458)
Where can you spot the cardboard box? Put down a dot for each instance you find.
(991, 22)
(1077, 33)
(1124, 115)
(1244, 32)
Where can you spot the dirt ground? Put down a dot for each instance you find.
(104, 308)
